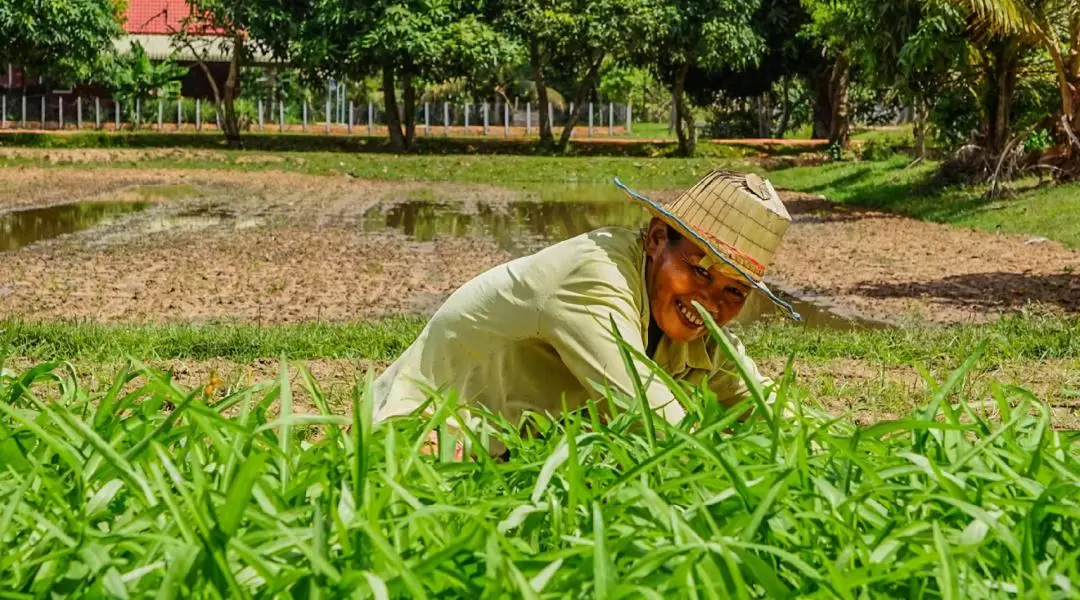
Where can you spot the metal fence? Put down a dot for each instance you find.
(58, 111)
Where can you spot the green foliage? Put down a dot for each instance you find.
(136, 76)
(65, 40)
(148, 488)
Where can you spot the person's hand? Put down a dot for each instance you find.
(431, 446)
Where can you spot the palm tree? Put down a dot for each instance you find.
(1054, 27)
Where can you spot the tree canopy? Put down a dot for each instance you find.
(64, 40)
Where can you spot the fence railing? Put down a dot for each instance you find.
(56, 111)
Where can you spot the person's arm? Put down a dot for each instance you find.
(576, 320)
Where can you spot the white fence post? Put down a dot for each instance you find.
(198, 114)
(117, 110)
(370, 115)
(22, 118)
(305, 115)
(446, 118)
(551, 115)
(43, 111)
(427, 118)
(466, 118)
(138, 110)
(78, 112)
(350, 117)
(281, 116)
(329, 115)
(528, 119)
(160, 113)
(97, 112)
(262, 124)
(60, 103)
(485, 118)
(628, 120)
(590, 119)
(3, 112)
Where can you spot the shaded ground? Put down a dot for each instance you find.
(867, 391)
(274, 247)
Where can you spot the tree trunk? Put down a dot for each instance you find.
(393, 119)
(231, 126)
(819, 82)
(410, 110)
(582, 94)
(536, 61)
(1000, 84)
(831, 105)
(921, 113)
(840, 132)
(678, 96)
(781, 127)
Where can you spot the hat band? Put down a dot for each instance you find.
(743, 259)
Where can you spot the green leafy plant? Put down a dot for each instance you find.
(147, 488)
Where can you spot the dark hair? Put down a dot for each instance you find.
(673, 235)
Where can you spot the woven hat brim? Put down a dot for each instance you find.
(666, 216)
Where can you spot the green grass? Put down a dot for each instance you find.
(147, 489)
(894, 186)
(1012, 338)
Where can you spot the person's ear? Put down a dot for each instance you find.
(655, 238)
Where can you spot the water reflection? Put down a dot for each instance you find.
(524, 227)
(516, 227)
(23, 227)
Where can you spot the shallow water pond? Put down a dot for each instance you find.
(24, 227)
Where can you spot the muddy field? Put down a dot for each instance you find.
(278, 247)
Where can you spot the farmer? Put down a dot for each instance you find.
(527, 334)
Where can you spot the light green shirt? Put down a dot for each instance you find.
(524, 334)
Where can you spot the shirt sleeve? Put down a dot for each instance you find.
(576, 320)
(727, 384)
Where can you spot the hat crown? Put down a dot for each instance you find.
(741, 215)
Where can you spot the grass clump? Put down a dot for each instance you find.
(150, 489)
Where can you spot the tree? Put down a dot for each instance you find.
(570, 41)
(916, 55)
(704, 34)
(134, 75)
(834, 25)
(405, 42)
(1051, 26)
(232, 28)
(66, 40)
(773, 78)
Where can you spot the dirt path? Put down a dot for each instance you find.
(274, 247)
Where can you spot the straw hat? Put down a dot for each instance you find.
(737, 219)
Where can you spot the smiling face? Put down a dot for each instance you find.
(674, 281)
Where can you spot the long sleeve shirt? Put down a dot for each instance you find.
(527, 334)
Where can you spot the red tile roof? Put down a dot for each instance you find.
(157, 16)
